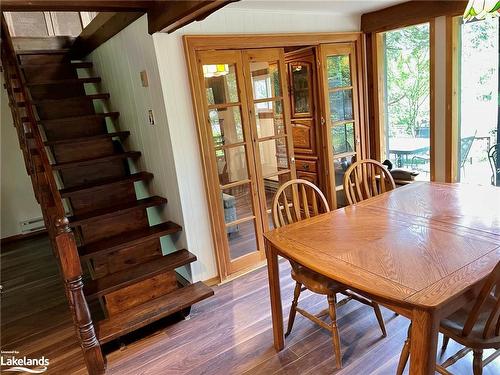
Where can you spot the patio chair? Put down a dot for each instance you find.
(493, 158)
(465, 147)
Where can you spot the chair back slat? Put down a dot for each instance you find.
(287, 209)
(488, 291)
(300, 209)
(373, 179)
(314, 205)
(296, 203)
(365, 179)
(305, 201)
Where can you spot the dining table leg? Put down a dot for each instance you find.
(424, 338)
(275, 293)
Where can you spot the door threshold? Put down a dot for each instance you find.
(243, 272)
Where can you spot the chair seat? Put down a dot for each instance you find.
(315, 282)
(453, 325)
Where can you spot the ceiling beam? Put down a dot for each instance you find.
(75, 6)
(409, 13)
(168, 16)
(102, 28)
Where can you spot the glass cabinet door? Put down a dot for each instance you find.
(341, 113)
(228, 132)
(301, 91)
(270, 119)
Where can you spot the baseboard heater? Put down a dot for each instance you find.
(32, 225)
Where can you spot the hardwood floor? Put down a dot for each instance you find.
(229, 333)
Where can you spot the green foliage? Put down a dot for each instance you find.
(407, 79)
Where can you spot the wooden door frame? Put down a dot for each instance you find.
(195, 43)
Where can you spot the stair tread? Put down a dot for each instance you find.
(142, 315)
(121, 134)
(102, 213)
(65, 193)
(114, 243)
(65, 81)
(87, 97)
(118, 280)
(77, 118)
(87, 162)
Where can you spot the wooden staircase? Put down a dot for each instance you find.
(130, 277)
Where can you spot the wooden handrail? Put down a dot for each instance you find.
(47, 194)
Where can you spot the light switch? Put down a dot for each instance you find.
(151, 117)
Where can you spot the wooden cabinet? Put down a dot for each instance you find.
(304, 136)
(304, 116)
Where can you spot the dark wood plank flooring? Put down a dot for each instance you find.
(229, 333)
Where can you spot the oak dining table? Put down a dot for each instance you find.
(421, 250)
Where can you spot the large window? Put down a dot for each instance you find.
(478, 101)
(406, 98)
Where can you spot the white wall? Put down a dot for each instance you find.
(181, 121)
(17, 202)
(119, 62)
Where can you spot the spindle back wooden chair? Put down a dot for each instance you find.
(294, 201)
(297, 200)
(366, 179)
(475, 326)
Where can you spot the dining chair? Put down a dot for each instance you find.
(475, 326)
(365, 179)
(294, 201)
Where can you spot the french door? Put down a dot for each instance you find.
(247, 147)
(341, 113)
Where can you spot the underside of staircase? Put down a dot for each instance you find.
(134, 283)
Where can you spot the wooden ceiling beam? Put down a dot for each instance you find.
(75, 6)
(168, 16)
(409, 13)
(102, 28)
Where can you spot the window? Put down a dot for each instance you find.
(406, 98)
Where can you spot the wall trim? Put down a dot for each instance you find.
(21, 236)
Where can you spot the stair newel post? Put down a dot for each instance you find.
(72, 273)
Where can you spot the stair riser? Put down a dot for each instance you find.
(49, 72)
(141, 292)
(57, 91)
(127, 257)
(43, 59)
(115, 225)
(97, 171)
(65, 108)
(71, 129)
(103, 197)
(92, 149)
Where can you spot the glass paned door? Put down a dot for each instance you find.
(232, 158)
(271, 128)
(340, 113)
(477, 145)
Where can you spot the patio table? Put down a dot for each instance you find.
(402, 147)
